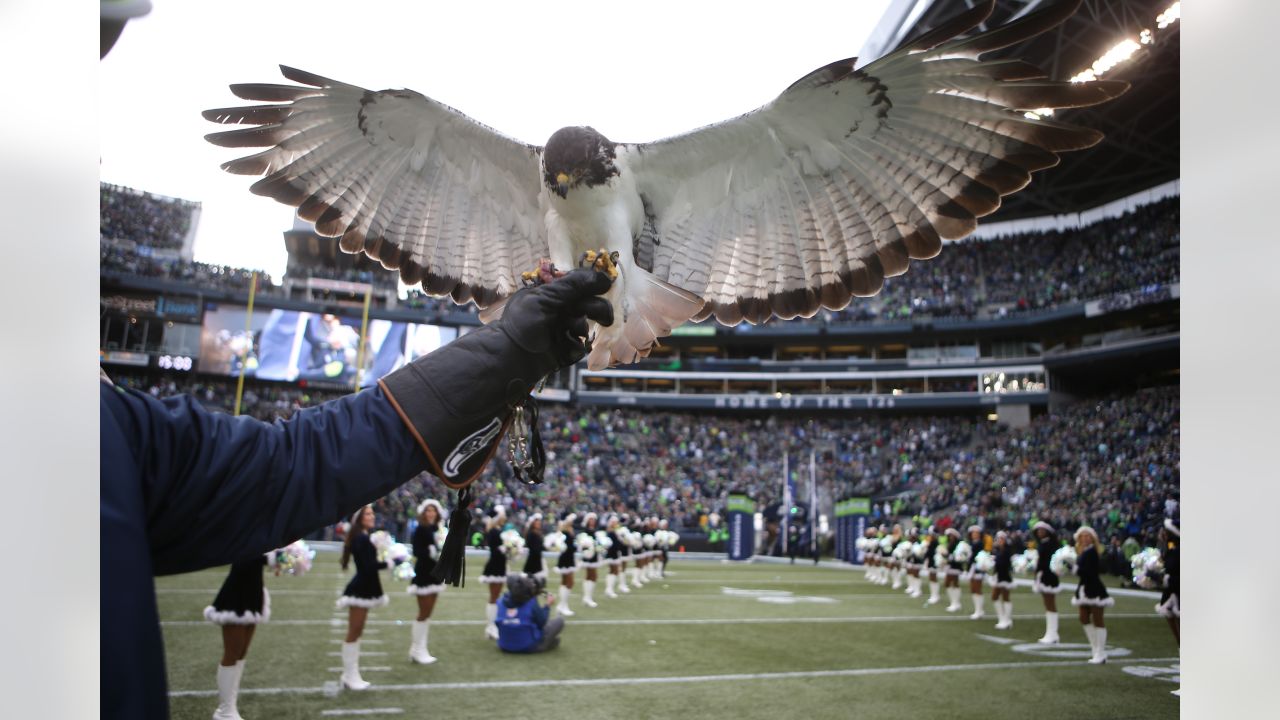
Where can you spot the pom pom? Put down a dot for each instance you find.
(919, 549)
(555, 542)
(886, 544)
(963, 552)
(603, 541)
(1026, 562)
(903, 550)
(1063, 561)
(984, 562)
(403, 571)
(650, 540)
(512, 544)
(295, 558)
(584, 542)
(940, 555)
(381, 539)
(1148, 568)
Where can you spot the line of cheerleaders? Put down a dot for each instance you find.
(945, 559)
(630, 550)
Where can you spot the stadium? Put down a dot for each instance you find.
(1028, 375)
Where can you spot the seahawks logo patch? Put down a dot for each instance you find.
(470, 445)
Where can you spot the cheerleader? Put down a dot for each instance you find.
(1170, 538)
(591, 559)
(533, 545)
(977, 543)
(362, 593)
(1002, 581)
(664, 549)
(896, 569)
(426, 551)
(614, 557)
(240, 605)
(913, 562)
(931, 565)
(950, 569)
(1091, 595)
(1046, 582)
(638, 554)
(565, 565)
(495, 569)
(869, 555)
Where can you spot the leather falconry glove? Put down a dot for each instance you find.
(458, 401)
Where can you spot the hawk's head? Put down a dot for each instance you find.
(577, 156)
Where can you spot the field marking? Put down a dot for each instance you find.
(673, 680)
(371, 653)
(364, 711)
(578, 620)
(336, 641)
(365, 668)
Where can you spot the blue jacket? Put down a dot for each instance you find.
(184, 489)
(520, 628)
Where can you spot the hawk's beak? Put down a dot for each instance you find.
(562, 185)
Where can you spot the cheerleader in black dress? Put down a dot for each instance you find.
(592, 559)
(1046, 582)
(914, 564)
(614, 557)
(950, 569)
(495, 569)
(664, 551)
(565, 565)
(425, 552)
(240, 605)
(931, 566)
(1002, 581)
(1091, 595)
(533, 544)
(977, 541)
(1170, 539)
(362, 593)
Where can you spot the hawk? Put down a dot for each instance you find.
(802, 204)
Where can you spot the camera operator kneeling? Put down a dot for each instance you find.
(523, 626)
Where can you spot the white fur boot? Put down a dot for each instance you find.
(978, 614)
(953, 593)
(1099, 645)
(1050, 629)
(622, 581)
(228, 689)
(563, 606)
(491, 618)
(933, 593)
(351, 679)
(418, 649)
(588, 589)
(610, 582)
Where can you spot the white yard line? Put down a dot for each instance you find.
(363, 711)
(672, 680)
(579, 620)
(371, 653)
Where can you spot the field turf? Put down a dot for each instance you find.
(711, 640)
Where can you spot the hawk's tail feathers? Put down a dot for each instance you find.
(651, 308)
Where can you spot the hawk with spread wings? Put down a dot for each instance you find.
(802, 204)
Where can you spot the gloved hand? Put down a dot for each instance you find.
(457, 400)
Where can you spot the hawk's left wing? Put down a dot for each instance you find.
(850, 174)
(450, 203)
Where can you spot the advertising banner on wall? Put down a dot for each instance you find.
(741, 511)
(851, 522)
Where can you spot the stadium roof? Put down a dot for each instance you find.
(1141, 148)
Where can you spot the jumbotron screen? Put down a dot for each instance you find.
(292, 345)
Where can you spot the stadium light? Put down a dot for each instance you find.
(1120, 52)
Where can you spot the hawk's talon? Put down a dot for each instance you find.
(601, 260)
(544, 273)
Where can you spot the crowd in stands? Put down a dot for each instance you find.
(137, 216)
(202, 275)
(1112, 463)
(1138, 252)
(379, 277)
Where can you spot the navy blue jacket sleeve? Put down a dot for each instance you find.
(216, 488)
(540, 613)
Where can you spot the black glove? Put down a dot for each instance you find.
(458, 400)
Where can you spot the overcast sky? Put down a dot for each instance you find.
(634, 71)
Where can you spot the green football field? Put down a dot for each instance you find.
(711, 640)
